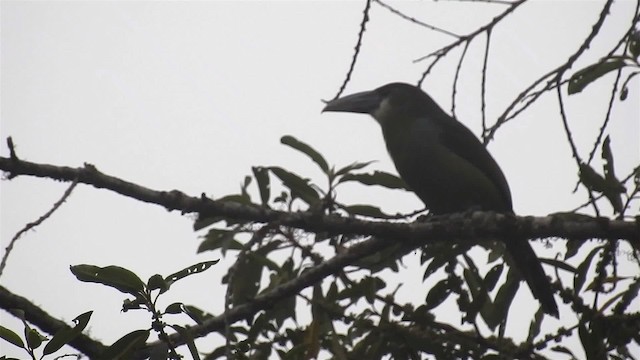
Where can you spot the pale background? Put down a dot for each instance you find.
(190, 95)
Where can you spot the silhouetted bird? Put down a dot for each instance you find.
(444, 163)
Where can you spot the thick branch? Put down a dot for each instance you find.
(38, 317)
(456, 226)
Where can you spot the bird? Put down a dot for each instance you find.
(445, 165)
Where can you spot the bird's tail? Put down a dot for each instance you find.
(530, 268)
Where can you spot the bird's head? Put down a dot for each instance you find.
(392, 101)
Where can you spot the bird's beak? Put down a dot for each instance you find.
(363, 102)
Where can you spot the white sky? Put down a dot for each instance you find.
(190, 95)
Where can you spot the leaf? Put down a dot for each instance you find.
(379, 178)
(186, 334)
(220, 239)
(584, 77)
(492, 277)
(262, 178)
(613, 187)
(307, 150)
(124, 347)
(113, 276)
(354, 166)
(193, 269)
(156, 282)
(634, 44)
(582, 270)
(438, 294)
(367, 210)
(534, 327)
(34, 338)
(299, 187)
(11, 337)
(504, 298)
(65, 335)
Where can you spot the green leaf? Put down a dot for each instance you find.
(354, 166)
(220, 239)
(534, 327)
(156, 282)
(175, 308)
(492, 277)
(299, 187)
(11, 337)
(504, 298)
(193, 269)
(196, 314)
(124, 347)
(367, 210)
(262, 178)
(584, 77)
(583, 269)
(379, 178)
(613, 187)
(438, 293)
(113, 276)
(307, 150)
(65, 335)
(188, 337)
(34, 338)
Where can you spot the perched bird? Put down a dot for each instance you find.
(445, 164)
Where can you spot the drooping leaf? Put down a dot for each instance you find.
(34, 338)
(65, 335)
(613, 187)
(352, 167)
(124, 347)
(367, 210)
(438, 294)
(262, 178)
(583, 269)
(307, 150)
(584, 77)
(186, 334)
(591, 179)
(113, 276)
(11, 337)
(299, 187)
(222, 239)
(504, 298)
(193, 269)
(534, 327)
(379, 178)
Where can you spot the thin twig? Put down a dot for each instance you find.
(32, 225)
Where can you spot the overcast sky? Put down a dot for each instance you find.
(190, 95)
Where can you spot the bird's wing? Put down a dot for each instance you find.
(461, 141)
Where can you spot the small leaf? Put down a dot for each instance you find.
(504, 298)
(114, 276)
(367, 210)
(613, 187)
(634, 44)
(175, 308)
(220, 239)
(34, 338)
(582, 270)
(299, 187)
(193, 269)
(262, 178)
(11, 337)
(65, 335)
(156, 282)
(186, 334)
(492, 277)
(584, 77)
(379, 178)
(534, 328)
(438, 294)
(354, 166)
(307, 150)
(124, 347)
